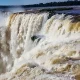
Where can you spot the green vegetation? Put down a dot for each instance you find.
(50, 4)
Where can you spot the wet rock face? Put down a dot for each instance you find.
(37, 37)
(33, 38)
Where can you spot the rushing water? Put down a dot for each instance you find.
(35, 39)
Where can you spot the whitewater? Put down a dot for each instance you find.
(36, 47)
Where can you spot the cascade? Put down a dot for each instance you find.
(40, 46)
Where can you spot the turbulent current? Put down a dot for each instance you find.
(33, 47)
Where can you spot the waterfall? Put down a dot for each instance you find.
(32, 39)
(15, 37)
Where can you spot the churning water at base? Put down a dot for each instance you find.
(34, 40)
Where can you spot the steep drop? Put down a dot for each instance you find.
(41, 49)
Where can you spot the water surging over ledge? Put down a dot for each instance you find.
(33, 39)
(16, 35)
